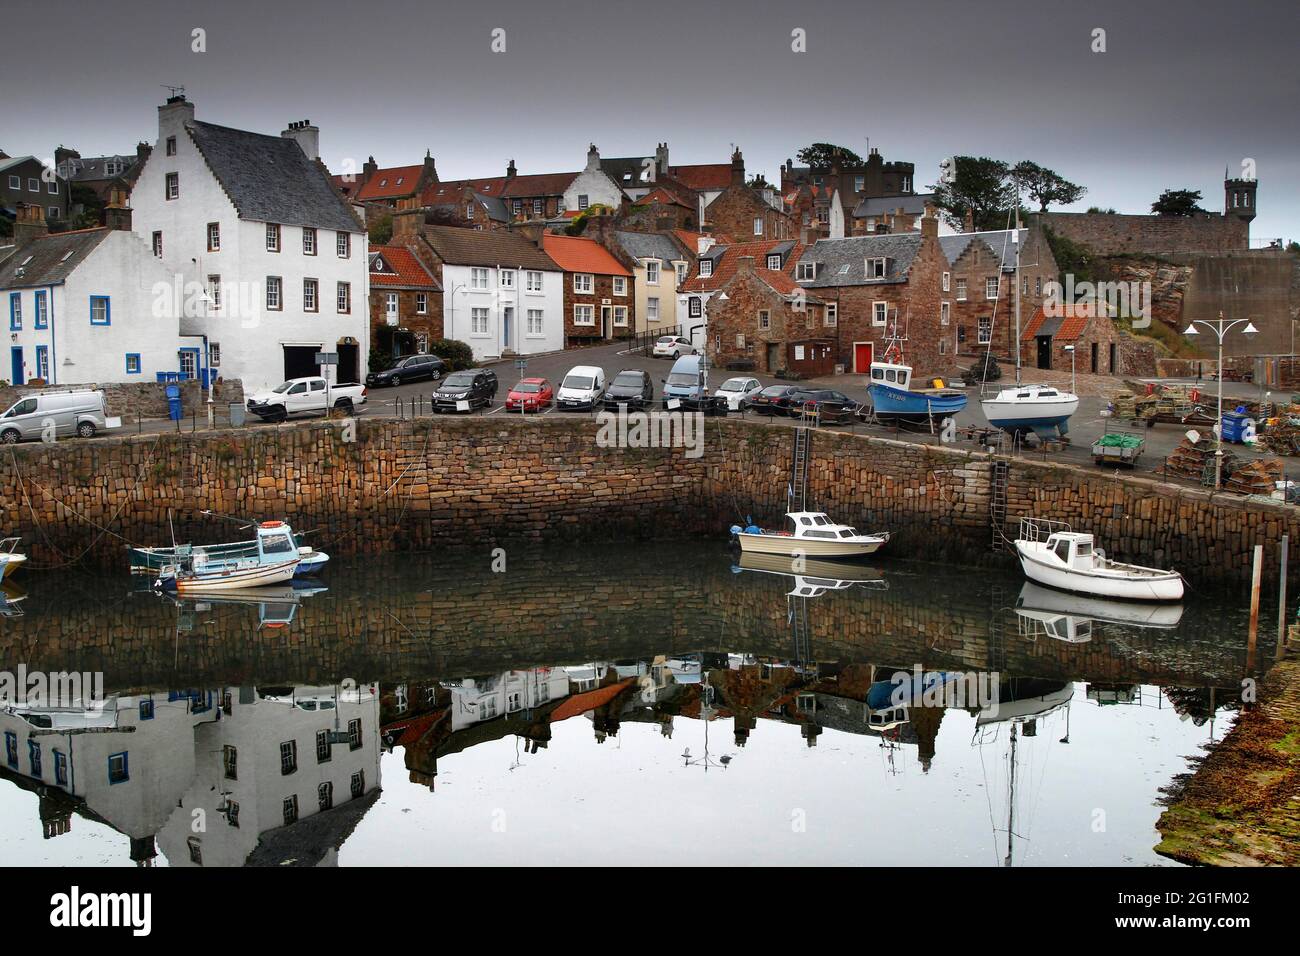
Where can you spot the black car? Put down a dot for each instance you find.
(631, 387)
(768, 401)
(476, 386)
(413, 368)
(829, 406)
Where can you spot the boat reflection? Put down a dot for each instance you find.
(276, 605)
(813, 577)
(11, 599)
(1070, 617)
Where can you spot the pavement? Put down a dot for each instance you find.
(1085, 426)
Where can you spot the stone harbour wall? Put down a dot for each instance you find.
(444, 482)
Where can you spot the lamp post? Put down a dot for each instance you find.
(1220, 327)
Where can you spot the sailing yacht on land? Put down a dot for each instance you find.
(1042, 409)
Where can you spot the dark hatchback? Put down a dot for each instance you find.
(829, 406)
(477, 386)
(631, 387)
(413, 368)
(768, 401)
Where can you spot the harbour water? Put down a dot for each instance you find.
(641, 704)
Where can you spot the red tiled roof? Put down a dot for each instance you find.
(574, 254)
(691, 240)
(387, 183)
(704, 176)
(450, 191)
(541, 184)
(581, 703)
(412, 730)
(782, 283)
(661, 195)
(409, 272)
(724, 266)
(1072, 324)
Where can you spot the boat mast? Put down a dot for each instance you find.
(1011, 798)
(1015, 239)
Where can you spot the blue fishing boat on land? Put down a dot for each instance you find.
(894, 399)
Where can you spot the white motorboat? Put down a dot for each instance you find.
(810, 534)
(195, 571)
(11, 559)
(1043, 409)
(1051, 603)
(1068, 560)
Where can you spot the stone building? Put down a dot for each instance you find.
(599, 301)
(751, 212)
(714, 267)
(763, 320)
(873, 178)
(405, 302)
(876, 286)
(1083, 339)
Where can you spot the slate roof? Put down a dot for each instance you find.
(493, 247)
(270, 178)
(403, 269)
(450, 191)
(94, 169)
(879, 205)
(998, 241)
(628, 172)
(495, 206)
(843, 261)
(13, 161)
(48, 265)
(649, 245)
(574, 254)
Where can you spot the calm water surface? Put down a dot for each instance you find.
(643, 704)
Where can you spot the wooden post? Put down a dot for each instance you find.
(1281, 599)
(1254, 608)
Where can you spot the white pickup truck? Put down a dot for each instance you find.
(303, 395)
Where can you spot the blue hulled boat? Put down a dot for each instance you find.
(894, 399)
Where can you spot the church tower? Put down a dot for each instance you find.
(1239, 197)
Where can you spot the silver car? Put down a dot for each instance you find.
(56, 414)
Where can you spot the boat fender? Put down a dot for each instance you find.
(753, 529)
(736, 529)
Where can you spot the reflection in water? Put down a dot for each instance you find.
(233, 733)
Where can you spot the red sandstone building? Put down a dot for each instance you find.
(599, 301)
(405, 302)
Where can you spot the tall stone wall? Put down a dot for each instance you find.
(1110, 234)
(439, 483)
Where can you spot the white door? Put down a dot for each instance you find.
(391, 308)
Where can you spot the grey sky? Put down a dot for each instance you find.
(1181, 92)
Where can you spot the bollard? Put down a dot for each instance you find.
(1256, 575)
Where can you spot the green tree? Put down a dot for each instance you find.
(979, 186)
(1045, 186)
(826, 155)
(1178, 202)
(381, 230)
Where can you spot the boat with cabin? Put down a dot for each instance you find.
(1051, 554)
(152, 560)
(196, 571)
(809, 534)
(894, 399)
(11, 559)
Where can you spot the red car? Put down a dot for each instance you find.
(530, 394)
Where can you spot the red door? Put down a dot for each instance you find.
(862, 353)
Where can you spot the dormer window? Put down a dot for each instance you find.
(807, 270)
(877, 267)
(399, 181)
(774, 263)
(706, 268)
(383, 182)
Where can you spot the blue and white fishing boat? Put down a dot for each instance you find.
(196, 571)
(893, 397)
(152, 560)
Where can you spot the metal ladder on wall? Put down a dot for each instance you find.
(797, 493)
(797, 614)
(998, 478)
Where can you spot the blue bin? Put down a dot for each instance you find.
(1234, 426)
(174, 402)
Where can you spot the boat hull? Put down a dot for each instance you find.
(790, 546)
(205, 581)
(896, 403)
(1153, 586)
(9, 563)
(1044, 418)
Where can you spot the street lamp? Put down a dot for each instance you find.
(1220, 327)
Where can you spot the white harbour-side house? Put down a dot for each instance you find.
(592, 187)
(78, 306)
(474, 700)
(501, 293)
(253, 221)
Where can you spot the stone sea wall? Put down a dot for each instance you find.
(435, 483)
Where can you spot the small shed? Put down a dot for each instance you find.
(811, 358)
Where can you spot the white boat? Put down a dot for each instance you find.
(11, 559)
(1068, 560)
(1051, 603)
(1044, 410)
(813, 577)
(198, 572)
(810, 534)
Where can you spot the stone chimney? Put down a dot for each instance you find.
(117, 214)
(142, 152)
(173, 115)
(510, 170)
(593, 158)
(533, 231)
(737, 168)
(967, 224)
(929, 224)
(406, 223)
(744, 265)
(29, 223)
(306, 136)
(661, 159)
(368, 169)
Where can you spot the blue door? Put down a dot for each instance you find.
(17, 352)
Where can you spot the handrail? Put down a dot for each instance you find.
(1040, 529)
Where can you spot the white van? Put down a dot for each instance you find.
(582, 388)
(80, 413)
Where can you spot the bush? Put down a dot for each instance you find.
(455, 353)
(983, 369)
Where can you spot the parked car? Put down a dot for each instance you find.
(631, 387)
(685, 386)
(580, 389)
(413, 368)
(768, 401)
(531, 395)
(300, 396)
(673, 346)
(737, 392)
(474, 387)
(829, 406)
(81, 412)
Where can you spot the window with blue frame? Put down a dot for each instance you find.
(146, 709)
(118, 769)
(42, 311)
(43, 362)
(34, 757)
(11, 749)
(100, 314)
(15, 311)
(60, 768)
(132, 363)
